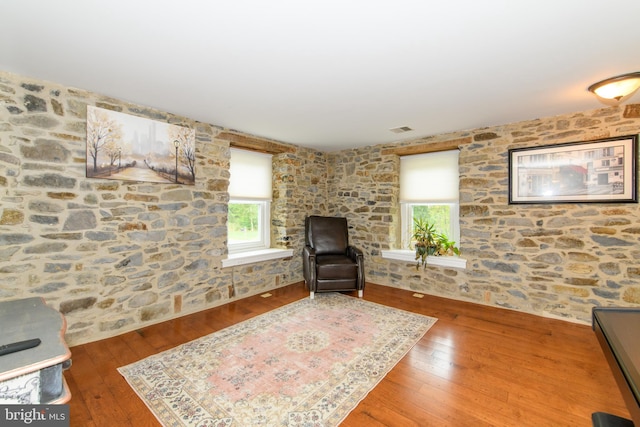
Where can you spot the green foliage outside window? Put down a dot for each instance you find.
(431, 225)
(243, 222)
(438, 215)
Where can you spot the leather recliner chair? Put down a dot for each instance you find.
(329, 263)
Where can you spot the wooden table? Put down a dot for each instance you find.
(618, 331)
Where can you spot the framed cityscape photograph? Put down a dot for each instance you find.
(580, 172)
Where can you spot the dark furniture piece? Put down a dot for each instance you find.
(618, 332)
(34, 353)
(329, 263)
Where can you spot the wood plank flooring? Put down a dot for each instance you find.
(477, 366)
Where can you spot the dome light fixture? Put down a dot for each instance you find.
(618, 89)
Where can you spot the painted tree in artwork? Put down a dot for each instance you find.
(102, 132)
(114, 150)
(185, 138)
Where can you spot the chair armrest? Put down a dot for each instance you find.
(308, 252)
(309, 266)
(357, 255)
(354, 253)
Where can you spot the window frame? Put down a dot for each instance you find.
(264, 227)
(407, 255)
(415, 194)
(254, 185)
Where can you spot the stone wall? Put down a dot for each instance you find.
(115, 255)
(555, 260)
(363, 187)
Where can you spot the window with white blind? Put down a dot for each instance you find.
(249, 201)
(429, 189)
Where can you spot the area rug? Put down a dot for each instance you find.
(308, 363)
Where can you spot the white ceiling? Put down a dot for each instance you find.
(330, 74)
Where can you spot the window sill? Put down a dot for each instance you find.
(410, 256)
(242, 258)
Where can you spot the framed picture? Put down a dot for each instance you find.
(131, 148)
(580, 172)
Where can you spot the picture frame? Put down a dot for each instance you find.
(130, 148)
(600, 171)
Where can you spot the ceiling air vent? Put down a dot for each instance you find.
(401, 129)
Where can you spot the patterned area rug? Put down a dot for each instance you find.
(308, 363)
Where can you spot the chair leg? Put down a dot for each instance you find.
(360, 293)
(311, 295)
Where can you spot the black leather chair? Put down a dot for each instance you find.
(330, 264)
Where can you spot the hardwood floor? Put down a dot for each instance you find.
(477, 366)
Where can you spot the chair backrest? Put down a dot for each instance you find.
(327, 235)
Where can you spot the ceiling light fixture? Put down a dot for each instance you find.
(618, 89)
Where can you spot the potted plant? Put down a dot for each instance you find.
(428, 242)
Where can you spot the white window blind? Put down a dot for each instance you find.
(250, 175)
(429, 177)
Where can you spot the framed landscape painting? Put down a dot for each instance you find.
(131, 148)
(598, 171)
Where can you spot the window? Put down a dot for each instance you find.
(429, 189)
(249, 201)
